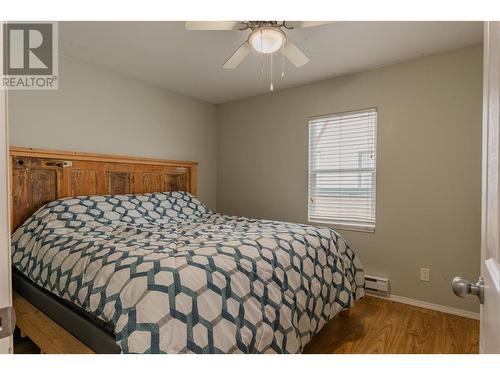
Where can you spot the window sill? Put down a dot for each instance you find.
(354, 228)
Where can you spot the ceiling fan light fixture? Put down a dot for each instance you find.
(266, 39)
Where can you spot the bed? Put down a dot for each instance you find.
(161, 273)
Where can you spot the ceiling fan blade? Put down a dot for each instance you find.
(302, 24)
(238, 56)
(294, 54)
(212, 25)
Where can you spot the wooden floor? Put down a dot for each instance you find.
(376, 325)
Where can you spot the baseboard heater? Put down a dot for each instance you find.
(377, 285)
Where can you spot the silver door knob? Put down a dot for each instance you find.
(463, 288)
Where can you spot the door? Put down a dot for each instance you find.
(490, 255)
(6, 311)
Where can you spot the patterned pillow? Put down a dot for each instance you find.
(177, 205)
(151, 208)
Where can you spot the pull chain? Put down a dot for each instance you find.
(283, 60)
(272, 86)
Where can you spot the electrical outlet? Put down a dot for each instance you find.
(425, 274)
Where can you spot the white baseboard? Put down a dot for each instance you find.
(430, 306)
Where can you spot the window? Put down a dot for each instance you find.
(342, 169)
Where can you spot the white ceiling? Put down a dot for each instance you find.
(190, 62)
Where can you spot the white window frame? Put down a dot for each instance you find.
(334, 224)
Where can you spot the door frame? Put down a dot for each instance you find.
(6, 344)
(484, 166)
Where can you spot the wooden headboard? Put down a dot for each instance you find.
(41, 176)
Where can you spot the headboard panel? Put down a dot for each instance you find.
(41, 176)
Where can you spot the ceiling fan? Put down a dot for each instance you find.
(265, 37)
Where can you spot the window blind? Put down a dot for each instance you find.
(342, 169)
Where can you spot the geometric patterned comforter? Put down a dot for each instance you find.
(173, 277)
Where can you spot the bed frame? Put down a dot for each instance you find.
(41, 176)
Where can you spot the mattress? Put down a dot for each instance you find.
(171, 276)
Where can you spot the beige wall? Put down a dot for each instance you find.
(97, 110)
(429, 165)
